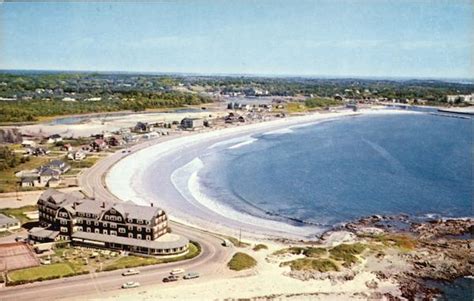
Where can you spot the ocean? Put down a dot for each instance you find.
(339, 170)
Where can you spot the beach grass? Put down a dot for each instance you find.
(311, 264)
(315, 252)
(237, 243)
(347, 253)
(295, 107)
(241, 261)
(403, 242)
(290, 250)
(259, 247)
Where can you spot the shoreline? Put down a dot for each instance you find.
(173, 161)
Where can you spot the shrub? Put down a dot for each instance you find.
(241, 261)
(260, 247)
(310, 264)
(314, 252)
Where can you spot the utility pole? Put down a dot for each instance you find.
(240, 237)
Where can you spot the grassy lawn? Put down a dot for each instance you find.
(241, 261)
(19, 213)
(132, 261)
(86, 163)
(56, 270)
(8, 181)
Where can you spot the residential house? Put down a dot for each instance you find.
(192, 123)
(58, 165)
(143, 127)
(8, 223)
(116, 140)
(98, 145)
(78, 155)
(151, 135)
(54, 138)
(28, 143)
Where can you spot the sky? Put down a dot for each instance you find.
(366, 38)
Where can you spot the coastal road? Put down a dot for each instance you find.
(210, 263)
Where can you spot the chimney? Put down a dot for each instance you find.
(103, 204)
(151, 204)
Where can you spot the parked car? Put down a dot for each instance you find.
(130, 272)
(177, 271)
(191, 275)
(130, 284)
(171, 278)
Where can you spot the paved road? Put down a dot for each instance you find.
(211, 263)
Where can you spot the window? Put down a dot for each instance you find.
(104, 225)
(112, 218)
(148, 230)
(130, 228)
(139, 236)
(79, 228)
(130, 235)
(112, 211)
(88, 230)
(148, 237)
(105, 231)
(97, 231)
(121, 230)
(96, 224)
(63, 222)
(119, 219)
(113, 226)
(63, 229)
(88, 222)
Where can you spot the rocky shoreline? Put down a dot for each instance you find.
(442, 249)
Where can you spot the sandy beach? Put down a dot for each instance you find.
(166, 174)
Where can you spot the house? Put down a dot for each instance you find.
(54, 138)
(104, 224)
(151, 135)
(66, 147)
(8, 223)
(192, 123)
(37, 151)
(98, 145)
(58, 165)
(142, 127)
(116, 140)
(469, 98)
(129, 138)
(78, 155)
(28, 143)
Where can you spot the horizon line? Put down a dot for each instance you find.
(261, 75)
